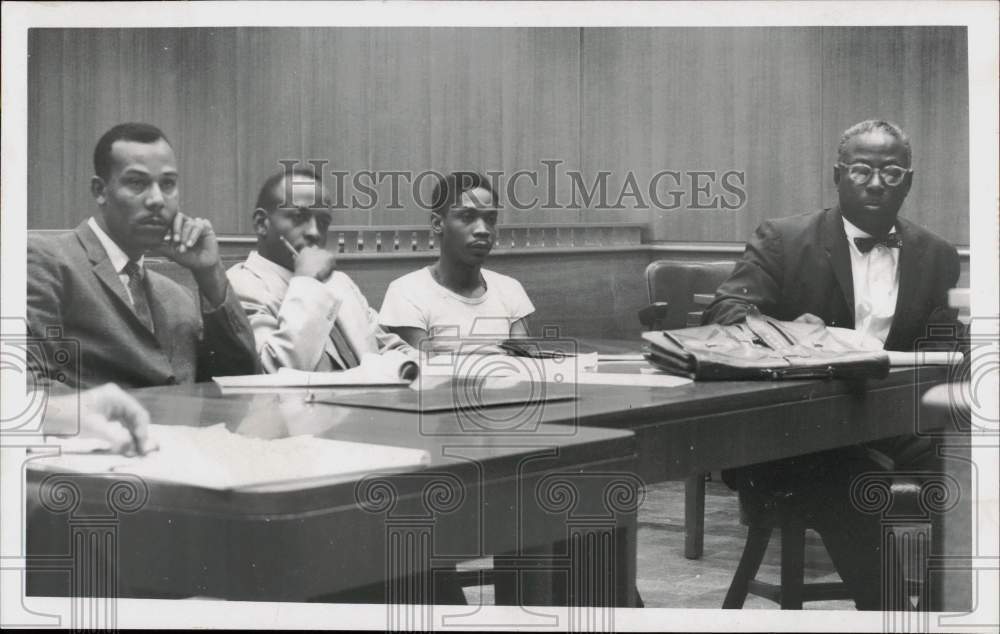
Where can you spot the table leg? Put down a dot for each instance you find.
(533, 578)
(694, 516)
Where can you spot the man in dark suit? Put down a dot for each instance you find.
(856, 266)
(90, 294)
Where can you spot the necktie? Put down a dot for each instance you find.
(140, 301)
(891, 241)
(343, 347)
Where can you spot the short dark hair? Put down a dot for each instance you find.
(268, 200)
(448, 189)
(138, 132)
(871, 125)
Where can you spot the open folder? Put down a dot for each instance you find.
(391, 369)
(216, 458)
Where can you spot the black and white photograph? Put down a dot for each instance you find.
(583, 316)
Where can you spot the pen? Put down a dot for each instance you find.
(288, 244)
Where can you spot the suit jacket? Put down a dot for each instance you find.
(802, 264)
(292, 316)
(87, 332)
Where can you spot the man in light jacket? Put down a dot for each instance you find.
(305, 314)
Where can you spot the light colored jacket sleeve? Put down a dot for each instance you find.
(363, 321)
(289, 331)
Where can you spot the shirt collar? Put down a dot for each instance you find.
(853, 231)
(118, 257)
(257, 261)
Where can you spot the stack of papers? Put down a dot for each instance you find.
(215, 458)
(500, 371)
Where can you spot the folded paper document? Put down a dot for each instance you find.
(391, 368)
(216, 458)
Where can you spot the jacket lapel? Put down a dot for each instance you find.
(835, 243)
(909, 277)
(105, 272)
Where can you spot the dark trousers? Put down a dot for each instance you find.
(817, 487)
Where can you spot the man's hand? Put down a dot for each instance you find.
(315, 262)
(191, 243)
(107, 413)
(809, 318)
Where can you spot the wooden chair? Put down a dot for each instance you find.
(761, 517)
(679, 291)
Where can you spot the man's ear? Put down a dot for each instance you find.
(261, 222)
(907, 182)
(836, 174)
(97, 187)
(437, 224)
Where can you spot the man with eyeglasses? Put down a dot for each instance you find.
(856, 265)
(97, 311)
(305, 314)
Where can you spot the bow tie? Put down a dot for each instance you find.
(890, 241)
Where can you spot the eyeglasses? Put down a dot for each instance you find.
(861, 173)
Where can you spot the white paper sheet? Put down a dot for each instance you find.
(897, 359)
(923, 357)
(375, 370)
(215, 458)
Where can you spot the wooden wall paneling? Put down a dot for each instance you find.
(778, 105)
(206, 138)
(916, 77)
(48, 172)
(399, 86)
(584, 295)
(617, 130)
(236, 100)
(723, 99)
(150, 76)
(465, 123)
(538, 80)
(269, 106)
(336, 107)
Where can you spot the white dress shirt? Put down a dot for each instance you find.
(119, 259)
(876, 284)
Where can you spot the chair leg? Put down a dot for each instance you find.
(694, 516)
(793, 546)
(753, 554)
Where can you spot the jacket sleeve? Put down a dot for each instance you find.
(943, 329)
(385, 340)
(227, 342)
(44, 312)
(756, 280)
(294, 334)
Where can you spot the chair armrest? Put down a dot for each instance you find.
(652, 316)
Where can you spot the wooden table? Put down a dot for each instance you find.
(560, 502)
(300, 543)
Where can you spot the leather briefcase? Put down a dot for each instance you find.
(764, 348)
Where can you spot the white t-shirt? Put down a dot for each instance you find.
(416, 300)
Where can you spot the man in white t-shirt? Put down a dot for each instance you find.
(456, 298)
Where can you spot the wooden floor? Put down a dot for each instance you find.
(667, 579)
